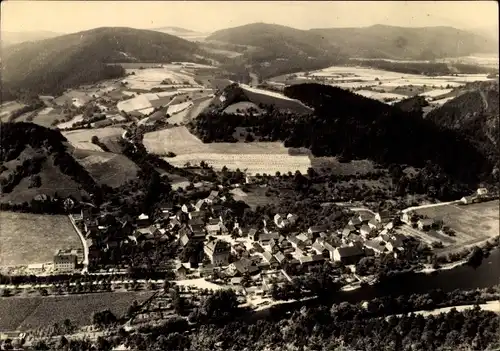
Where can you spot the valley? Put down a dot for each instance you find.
(185, 189)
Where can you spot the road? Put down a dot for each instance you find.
(431, 205)
(85, 246)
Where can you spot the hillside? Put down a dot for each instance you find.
(35, 161)
(52, 65)
(426, 43)
(354, 127)
(475, 115)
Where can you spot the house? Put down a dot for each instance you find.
(279, 220)
(143, 220)
(280, 257)
(365, 216)
(319, 248)
(218, 252)
(181, 271)
(383, 217)
(395, 243)
(264, 239)
(174, 222)
(292, 218)
(64, 261)
(197, 215)
(425, 224)
(374, 224)
(212, 197)
(200, 205)
(365, 230)
(36, 268)
(296, 243)
(243, 266)
(315, 230)
(482, 191)
(206, 270)
(466, 200)
(253, 234)
(311, 260)
(305, 238)
(409, 217)
(269, 258)
(348, 230)
(197, 225)
(348, 254)
(257, 247)
(354, 221)
(377, 246)
(213, 229)
(184, 240)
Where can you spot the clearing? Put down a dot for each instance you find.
(473, 224)
(37, 312)
(33, 238)
(106, 167)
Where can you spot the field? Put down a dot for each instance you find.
(106, 167)
(280, 101)
(81, 138)
(36, 312)
(359, 78)
(149, 78)
(29, 238)
(473, 224)
(242, 107)
(266, 157)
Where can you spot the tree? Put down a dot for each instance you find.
(94, 140)
(103, 318)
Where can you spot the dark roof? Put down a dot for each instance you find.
(318, 228)
(349, 251)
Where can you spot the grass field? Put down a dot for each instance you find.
(473, 224)
(7, 108)
(36, 312)
(81, 138)
(106, 167)
(29, 238)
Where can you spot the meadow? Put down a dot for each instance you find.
(32, 238)
(37, 312)
(473, 223)
(81, 138)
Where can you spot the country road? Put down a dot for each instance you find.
(431, 205)
(84, 244)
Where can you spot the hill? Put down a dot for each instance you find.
(277, 49)
(475, 115)
(350, 126)
(425, 43)
(52, 65)
(35, 161)
(12, 38)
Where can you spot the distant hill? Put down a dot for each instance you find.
(475, 115)
(426, 43)
(35, 161)
(52, 65)
(12, 38)
(277, 49)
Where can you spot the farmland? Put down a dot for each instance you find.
(376, 83)
(106, 167)
(9, 107)
(280, 101)
(29, 238)
(37, 312)
(259, 157)
(81, 139)
(473, 224)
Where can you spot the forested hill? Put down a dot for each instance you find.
(475, 115)
(50, 66)
(425, 43)
(358, 127)
(354, 127)
(34, 160)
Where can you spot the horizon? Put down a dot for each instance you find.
(66, 17)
